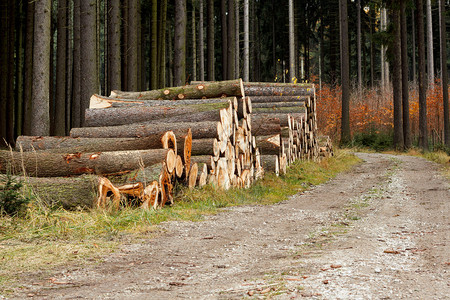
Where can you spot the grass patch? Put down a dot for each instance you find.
(47, 238)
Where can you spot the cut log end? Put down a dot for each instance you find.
(193, 176)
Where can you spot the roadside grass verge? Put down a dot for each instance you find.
(47, 238)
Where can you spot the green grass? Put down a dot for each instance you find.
(47, 238)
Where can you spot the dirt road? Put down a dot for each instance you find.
(380, 231)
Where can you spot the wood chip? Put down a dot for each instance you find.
(391, 251)
(335, 266)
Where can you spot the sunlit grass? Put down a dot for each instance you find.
(47, 237)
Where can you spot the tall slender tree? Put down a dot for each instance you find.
(88, 63)
(231, 49)
(162, 43)
(423, 135)
(114, 64)
(133, 44)
(430, 55)
(194, 42)
(246, 42)
(40, 106)
(180, 43)
(237, 38)
(61, 51)
(76, 82)
(292, 64)
(201, 45)
(223, 18)
(28, 69)
(3, 67)
(210, 40)
(154, 46)
(345, 72)
(444, 73)
(405, 76)
(358, 38)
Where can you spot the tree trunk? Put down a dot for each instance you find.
(19, 68)
(345, 72)
(206, 90)
(56, 144)
(44, 164)
(61, 50)
(413, 44)
(396, 54)
(444, 74)
(231, 26)
(28, 84)
(423, 135)
(162, 45)
(98, 117)
(210, 40)
(154, 84)
(40, 106)
(9, 72)
(358, 38)
(430, 56)
(405, 76)
(180, 43)
(237, 43)
(201, 45)
(292, 74)
(114, 40)
(200, 130)
(76, 83)
(4, 68)
(246, 42)
(223, 11)
(132, 49)
(251, 90)
(194, 43)
(88, 63)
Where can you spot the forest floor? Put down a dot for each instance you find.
(379, 231)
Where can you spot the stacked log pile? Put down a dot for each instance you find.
(140, 144)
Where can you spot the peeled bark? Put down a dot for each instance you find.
(44, 164)
(199, 130)
(204, 90)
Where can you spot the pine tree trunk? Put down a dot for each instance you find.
(223, 11)
(237, 43)
(3, 67)
(231, 67)
(76, 83)
(88, 62)
(194, 43)
(124, 44)
(27, 93)
(292, 75)
(444, 75)
(247, 42)
(10, 98)
(132, 50)
(61, 51)
(423, 135)
(201, 40)
(430, 56)
(40, 106)
(405, 76)
(180, 43)
(397, 79)
(345, 72)
(20, 58)
(154, 84)
(162, 45)
(114, 40)
(358, 7)
(210, 40)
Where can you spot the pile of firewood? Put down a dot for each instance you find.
(140, 144)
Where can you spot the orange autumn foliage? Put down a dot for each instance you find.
(371, 110)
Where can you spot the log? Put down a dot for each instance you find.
(258, 118)
(169, 141)
(68, 144)
(270, 163)
(98, 101)
(71, 193)
(283, 109)
(45, 164)
(274, 99)
(205, 147)
(193, 176)
(277, 105)
(265, 125)
(138, 114)
(200, 130)
(187, 151)
(269, 144)
(199, 91)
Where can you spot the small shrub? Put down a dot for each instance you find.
(12, 200)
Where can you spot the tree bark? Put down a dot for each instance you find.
(154, 84)
(270, 163)
(28, 84)
(430, 56)
(231, 27)
(223, 11)
(269, 144)
(76, 83)
(40, 106)
(265, 125)
(396, 54)
(132, 49)
(61, 50)
(194, 43)
(258, 118)
(114, 40)
(45, 164)
(272, 99)
(98, 117)
(246, 42)
(57, 144)
(423, 135)
(444, 73)
(292, 75)
(210, 39)
(180, 43)
(237, 42)
(4, 68)
(345, 72)
(162, 45)
(207, 129)
(405, 76)
(274, 90)
(201, 45)
(358, 38)
(88, 63)
(277, 105)
(207, 90)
